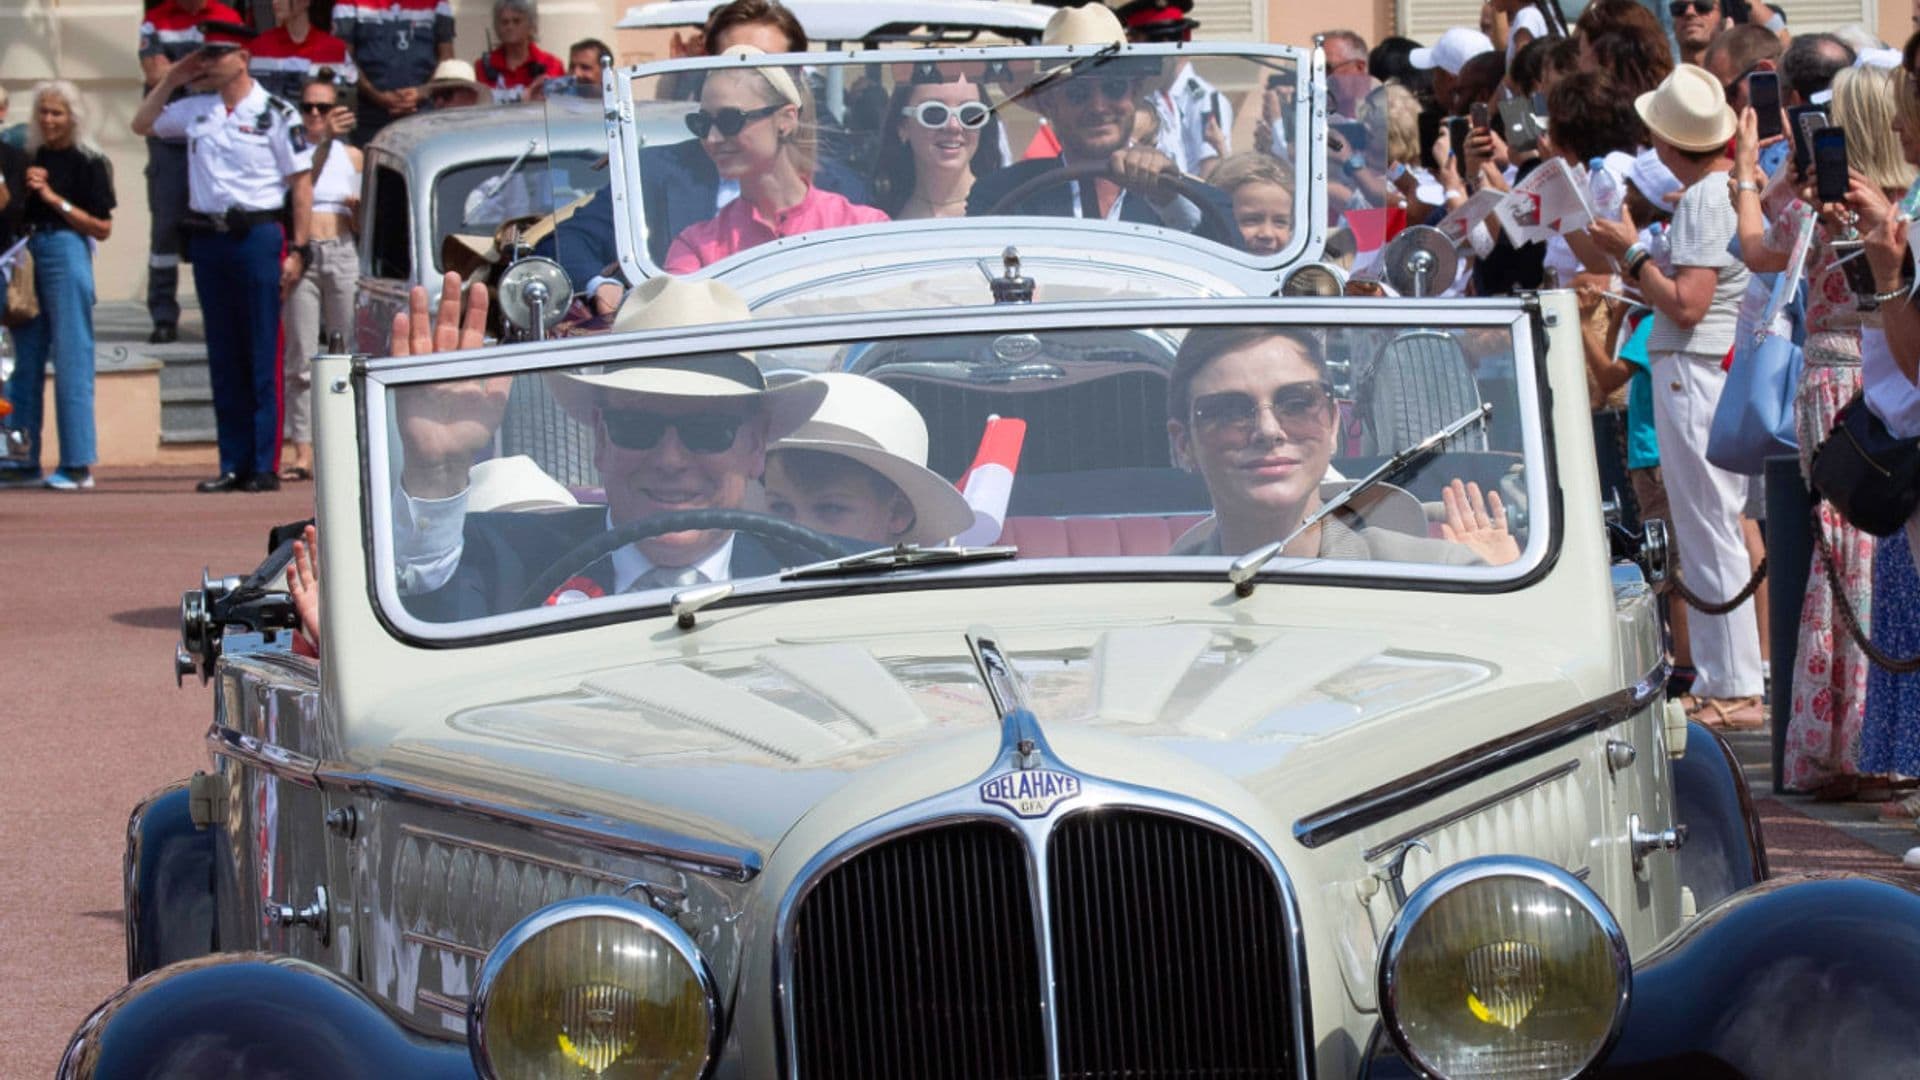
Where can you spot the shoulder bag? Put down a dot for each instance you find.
(1871, 476)
(23, 302)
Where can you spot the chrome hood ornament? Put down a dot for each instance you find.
(1021, 779)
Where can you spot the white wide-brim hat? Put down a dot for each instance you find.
(514, 483)
(459, 75)
(1689, 109)
(870, 423)
(664, 302)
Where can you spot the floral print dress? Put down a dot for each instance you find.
(1830, 669)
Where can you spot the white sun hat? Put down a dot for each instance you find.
(458, 75)
(1689, 109)
(665, 302)
(514, 483)
(871, 423)
(1088, 24)
(1451, 53)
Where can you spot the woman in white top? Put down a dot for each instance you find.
(321, 303)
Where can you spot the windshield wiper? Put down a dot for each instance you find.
(899, 557)
(1059, 73)
(1244, 568)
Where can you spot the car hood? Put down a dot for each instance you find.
(737, 747)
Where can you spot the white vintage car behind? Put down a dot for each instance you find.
(1113, 796)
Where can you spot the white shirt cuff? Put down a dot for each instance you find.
(428, 536)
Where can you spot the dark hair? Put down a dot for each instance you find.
(599, 47)
(1910, 54)
(743, 12)
(1590, 115)
(325, 76)
(1205, 344)
(1628, 43)
(815, 469)
(1744, 46)
(1530, 63)
(893, 173)
(1392, 61)
(1562, 60)
(1811, 62)
(1479, 79)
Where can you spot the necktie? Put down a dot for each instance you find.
(661, 577)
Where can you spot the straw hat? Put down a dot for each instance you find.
(781, 79)
(1689, 109)
(869, 422)
(514, 483)
(666, 302)
(1088, 24)
(458, 75)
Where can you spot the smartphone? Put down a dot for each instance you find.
(1429, 134)
(1353, 131)
(1851, 257)
(1539, 103)
(1830, 164)
(1481, 118)
(1519, 126)
(1213, 110)
(1763, 93)
(1807, 119)
(1457, 137)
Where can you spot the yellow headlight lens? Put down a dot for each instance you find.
(1503, 967)
(594, 988)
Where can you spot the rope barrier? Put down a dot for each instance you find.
(1844, 605)
(1708, 607)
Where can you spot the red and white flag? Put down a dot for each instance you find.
(988, 483)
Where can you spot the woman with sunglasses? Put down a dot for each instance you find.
(940, 136)
(1249, 409)
(754, 123)
(321, 301)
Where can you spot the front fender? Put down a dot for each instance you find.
(167, 883)
(1793, 979)
(1724, 852)
(250, 1015)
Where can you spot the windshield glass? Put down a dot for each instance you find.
(637, 469)
(776, 150)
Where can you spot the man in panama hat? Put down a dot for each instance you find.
(669, 435)
(1090, 103)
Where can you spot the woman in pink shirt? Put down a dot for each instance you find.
(753, 123)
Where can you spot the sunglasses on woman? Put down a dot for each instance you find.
(317, 108)
(935, 114)
(1080, 90)
(1679, 8)
(1232, 416)
(728, 121)
(702, 433)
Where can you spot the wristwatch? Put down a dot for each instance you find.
(1747, 185)
(66, 207)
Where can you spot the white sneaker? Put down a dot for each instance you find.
(61, 480)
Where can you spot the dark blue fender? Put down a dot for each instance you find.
(251, 1015)
(1724, 852)
(1794, 979)
(168, 884)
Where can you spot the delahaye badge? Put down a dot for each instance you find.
(1030, 793)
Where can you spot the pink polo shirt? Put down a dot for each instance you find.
(739, 226)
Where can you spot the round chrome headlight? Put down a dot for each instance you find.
(1503, 967)
(1313, 279)
(599, 987)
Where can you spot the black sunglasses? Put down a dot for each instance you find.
(702, 433)
(1079, 91)
(1678, 9)
(1231, 412)
(728, 121)
(314, 108)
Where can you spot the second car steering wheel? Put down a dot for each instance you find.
(779, 531)
(1194, 191)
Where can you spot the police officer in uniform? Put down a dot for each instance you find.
(250, 186)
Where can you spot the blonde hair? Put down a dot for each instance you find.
(802, 146)
(1865, 100)
(1907, 98)
(1251, 167)
(1393, 108)
(77, 108)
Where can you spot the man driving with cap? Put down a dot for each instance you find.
(670, 435)
(1090, 103)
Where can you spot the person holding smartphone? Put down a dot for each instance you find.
(1696, 314)
(1829, 685)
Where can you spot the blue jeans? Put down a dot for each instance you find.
(62, 333)
(237, 275)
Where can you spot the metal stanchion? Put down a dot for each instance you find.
(1789, 554)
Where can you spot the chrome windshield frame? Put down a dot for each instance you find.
(378, 378)
(1308, 159)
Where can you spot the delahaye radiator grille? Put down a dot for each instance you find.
(919, 956)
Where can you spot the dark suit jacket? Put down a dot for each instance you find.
(1057, 201)
(678, 185)
(505, 552)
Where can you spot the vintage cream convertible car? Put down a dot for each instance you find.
(1118, 795)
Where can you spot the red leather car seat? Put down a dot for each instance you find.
(1128, 534)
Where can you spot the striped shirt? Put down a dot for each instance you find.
(1703, 233)
(393, 43)
(284, 65)
(510, 83)
(172, 31)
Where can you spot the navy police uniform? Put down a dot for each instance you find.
(239, 164)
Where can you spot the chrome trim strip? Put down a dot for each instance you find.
(500, 851)
(1024, 746)
(452, 1006)
(1564, 769)
(1451, 774)
(444, 945)
(276, 761)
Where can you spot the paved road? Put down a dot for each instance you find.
(91, 721)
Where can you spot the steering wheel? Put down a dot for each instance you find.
(1194, 191)
(780, 532)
